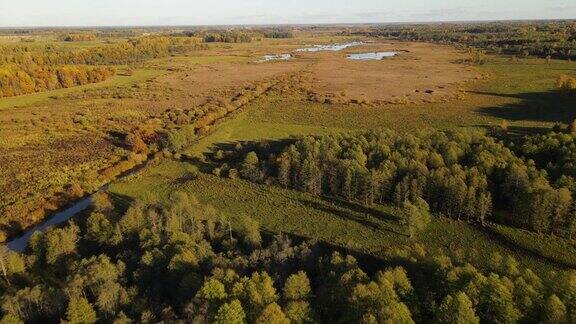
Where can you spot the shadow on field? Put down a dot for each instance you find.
(550, 106)
(340, 209)
(514, 132)
(498, 237)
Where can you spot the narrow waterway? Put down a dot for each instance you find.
(20, 244)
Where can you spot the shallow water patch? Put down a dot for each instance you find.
(331, 47)
(374, 56)
(280, 57)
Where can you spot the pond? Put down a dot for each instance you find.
(332, 47)
(280, 57)
(371, 56)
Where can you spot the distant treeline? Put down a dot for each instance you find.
(239, 36)
(542, 39)
(121, 53)
(32, 68)
(16, 80)
(463, 176)
(78, 37)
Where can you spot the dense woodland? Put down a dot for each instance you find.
(134, 50)
(542, 39)
(32, 68)
(239, 35)
(78, 37)
(184, 262)
(17, 80)
(465, 176)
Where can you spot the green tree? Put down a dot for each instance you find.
(554, 311)
(297, 287)
(80, 311)
(10, 319)
(299, 312)
(272, 314)
(457, 310)
(284, 169)
(249, 229)
(417, 216)
(496, 303)
(251, 167)
(99, 228)
(230, 313)
(60, 242)
(212, 290)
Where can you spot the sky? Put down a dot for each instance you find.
(28, 13)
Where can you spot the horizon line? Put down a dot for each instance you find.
(422, 22)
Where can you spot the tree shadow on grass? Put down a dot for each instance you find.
(549, 106)
(501, 239)
(349, 211)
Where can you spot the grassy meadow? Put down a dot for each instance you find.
(519, 91)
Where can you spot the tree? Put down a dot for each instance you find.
(496, 303)
(98, 228)
(457, 310)
(272, 314)
(310, 176)
(80, 311)
(255, 292)
(554, 311)
(484, 207)
(212, 290)
(230, 313)
(249, 229)
(250, 168)
(60, 242)
(299, 312)
(417, 216)
(284, 166)
(297, 287)
(10, 319)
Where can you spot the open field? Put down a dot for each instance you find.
(321, 101)
(517, 91)
(358, 228)
(259, 175)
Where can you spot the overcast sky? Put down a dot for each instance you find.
(19, 13)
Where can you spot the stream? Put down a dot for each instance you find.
(20, 244)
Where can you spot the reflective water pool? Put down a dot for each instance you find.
(281, 57)
(332, 47)
(371, 56)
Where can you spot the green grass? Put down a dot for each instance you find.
(201, 60)
(520, 92)
(118, 80)
(370, 230)
(243, 127)
(551, 247)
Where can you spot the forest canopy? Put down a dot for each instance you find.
(183, 262)
(468, 176)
